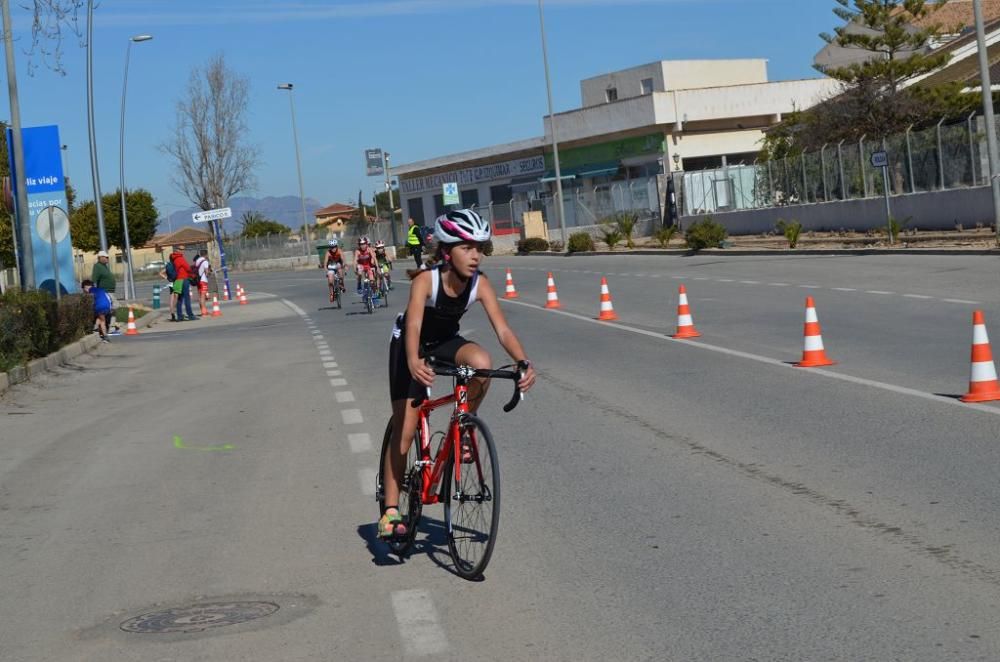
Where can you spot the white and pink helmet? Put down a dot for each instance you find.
(461, 225)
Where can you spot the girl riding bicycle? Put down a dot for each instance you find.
(439, 297)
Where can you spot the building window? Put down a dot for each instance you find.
(611, 94)
(647, 86)
(470, 198)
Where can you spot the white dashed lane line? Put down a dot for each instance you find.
(361, 442)
(419, 629)
(352, 416)
(367, 477)
(344, 396)
(338, 381)
(330, 364)
(843, 289)
(334, 373)
(971, 303)
(878, 292)
(917, 296)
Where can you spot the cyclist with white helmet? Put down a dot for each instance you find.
(365, 262)
(333, 262)
(439, 297)
(385, 264)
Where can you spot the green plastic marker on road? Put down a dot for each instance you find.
(179, 444)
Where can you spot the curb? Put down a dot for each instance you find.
(23, 373)
(779, 252)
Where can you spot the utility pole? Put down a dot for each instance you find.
(23, 225)
(991, 127)
(552, 126)
(392, 207)
(91, 133)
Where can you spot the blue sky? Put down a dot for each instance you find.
(421, 78)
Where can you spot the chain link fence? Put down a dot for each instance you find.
(942, 157)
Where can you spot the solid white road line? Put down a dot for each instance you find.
(817, 372)
(417, 619)
(352, 416)
(361, 442)
(367, 477)
(298, 311)
(344, 396)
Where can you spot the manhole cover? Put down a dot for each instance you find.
(196, 618)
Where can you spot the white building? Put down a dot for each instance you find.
(631, 125)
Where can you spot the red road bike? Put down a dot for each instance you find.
(463, 474)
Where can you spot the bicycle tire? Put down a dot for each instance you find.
(411, 485)
(470, 547)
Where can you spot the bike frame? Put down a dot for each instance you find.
(432, 471)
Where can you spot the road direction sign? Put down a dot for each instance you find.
(212, 215)
(450, 191)
(880, 159)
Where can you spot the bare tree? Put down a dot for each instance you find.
(213, 159)
(48, 20)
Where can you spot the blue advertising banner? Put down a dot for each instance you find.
(46, 188)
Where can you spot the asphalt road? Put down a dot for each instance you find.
(663, 500)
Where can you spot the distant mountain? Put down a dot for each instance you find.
(285, 209)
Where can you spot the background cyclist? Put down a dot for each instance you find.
(385, 264)
(365, 262)
(333, 262)
(439, 297)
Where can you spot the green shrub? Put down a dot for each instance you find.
(790, 230)
(580, 242)
(626, 222)
(33, 324)
(706, 233)
(532, 245)
(611, 236)
(664, 236)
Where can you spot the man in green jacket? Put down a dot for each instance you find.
(105, 279)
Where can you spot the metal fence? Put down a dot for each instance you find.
(945, 156)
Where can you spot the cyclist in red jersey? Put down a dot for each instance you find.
(365, 262)
(439, 297)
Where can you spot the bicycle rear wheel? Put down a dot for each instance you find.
(472, 502)
(410, 487)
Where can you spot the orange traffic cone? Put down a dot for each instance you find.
(551, 296)
(607, 310)
(131, 329)
(983, 385)
(243, 297)
(813, 355)
(216, 311)
(685, 323)
(510, 292)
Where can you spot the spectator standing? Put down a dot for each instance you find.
(182, 286)
(102, 306)
(104, 278)
(204, 269)
(169, 274)
(415, 241)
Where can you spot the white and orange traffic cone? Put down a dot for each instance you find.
(510, 292)
(243, 297)
(216, 311)
(685, 323)
(607, 310)
(226, 289)
(551, 296)
(131, 329)
(813, 354)
(983, 385)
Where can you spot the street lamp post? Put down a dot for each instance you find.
(130, 274)
(91, 134)
(552, 127)
(298, 166)
(24, 252)
(392, 207)
(991, 127)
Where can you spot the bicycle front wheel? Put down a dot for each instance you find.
(410, 503)
(472, 499)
